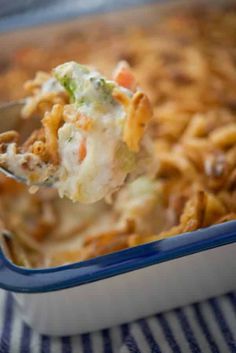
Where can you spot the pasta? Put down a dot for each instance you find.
(51, 123)
(68, 150)
(187, 65)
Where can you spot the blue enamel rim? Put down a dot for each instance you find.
(19, 279)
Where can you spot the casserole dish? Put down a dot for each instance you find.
(129, 284)
(126, 285)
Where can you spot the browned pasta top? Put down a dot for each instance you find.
(187, 65)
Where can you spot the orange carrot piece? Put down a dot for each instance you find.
(82, 150)
(124, 76)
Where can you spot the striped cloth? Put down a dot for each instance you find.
(209, 326)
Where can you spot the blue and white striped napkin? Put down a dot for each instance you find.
(206, 327)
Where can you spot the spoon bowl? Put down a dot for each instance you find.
(10, 118)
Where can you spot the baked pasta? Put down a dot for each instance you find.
(90, 137)
(186, 63)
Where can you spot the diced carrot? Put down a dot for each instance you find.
(124, 76)
(82, 150)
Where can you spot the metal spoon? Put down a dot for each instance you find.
(10, 119)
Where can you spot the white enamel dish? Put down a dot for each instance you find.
(125, 285)
(128, 284)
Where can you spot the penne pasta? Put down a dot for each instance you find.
(185, 64)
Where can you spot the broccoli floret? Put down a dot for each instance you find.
(84, 85)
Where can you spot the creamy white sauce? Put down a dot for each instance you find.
(52, 85)
(107, 161)
(101, 171)
(98, 173)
